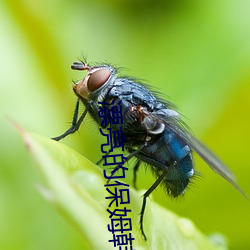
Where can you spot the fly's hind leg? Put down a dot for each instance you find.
(144, 201)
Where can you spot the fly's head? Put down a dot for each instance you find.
(96, 79)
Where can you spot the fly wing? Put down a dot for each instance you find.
(175, 124)
(208, 156)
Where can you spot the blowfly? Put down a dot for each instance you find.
(153, 130)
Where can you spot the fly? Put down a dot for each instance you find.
(153, 130)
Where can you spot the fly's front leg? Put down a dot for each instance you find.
(75, 123)
(145, 196)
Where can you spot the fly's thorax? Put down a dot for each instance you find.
(152, 125)
(94, 85)
(153, 122)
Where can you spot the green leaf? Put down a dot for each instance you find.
(76, 187)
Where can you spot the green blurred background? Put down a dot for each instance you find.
(195, 52)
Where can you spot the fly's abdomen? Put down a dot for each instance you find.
(178, 176)
(170, 155)
(180, 165)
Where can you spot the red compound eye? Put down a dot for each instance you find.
(97, 79)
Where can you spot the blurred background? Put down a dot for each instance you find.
(196, 53)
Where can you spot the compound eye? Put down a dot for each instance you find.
(97, 79)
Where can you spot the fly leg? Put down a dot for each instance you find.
(132, 154)
(145, 196)
(75, 123)
(136, 167)
(102, 159)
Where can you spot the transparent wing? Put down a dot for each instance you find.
(175, 124)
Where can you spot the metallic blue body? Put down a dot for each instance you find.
(153, 130)
(165, 152)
